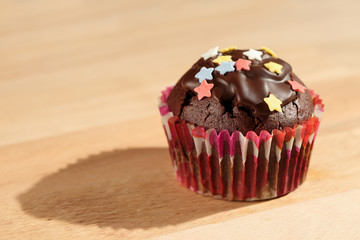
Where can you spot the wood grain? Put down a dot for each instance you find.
(83, 153)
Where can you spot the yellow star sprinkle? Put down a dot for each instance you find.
(269, 51)
(227, 49)
(224, 58)
(273, 67)
(273, 103)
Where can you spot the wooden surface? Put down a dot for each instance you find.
(83, 153)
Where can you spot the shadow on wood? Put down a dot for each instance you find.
(131, 188)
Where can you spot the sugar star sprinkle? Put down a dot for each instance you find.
(273, 67)
(227, 49)
(204, 90)
(273, 103)
(225, 67)
(297, 86)
(205, 73)
(253, 54)
(224, 58)
(211, 53)
(242, 64)
(269, 51)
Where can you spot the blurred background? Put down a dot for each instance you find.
(72, 65)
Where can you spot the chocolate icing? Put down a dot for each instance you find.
(237, 98)
(246, 88)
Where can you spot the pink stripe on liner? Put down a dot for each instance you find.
(165, 94)
(164, 110)
(251, 135)
(223, 137)
(233, 142)
(199, 132)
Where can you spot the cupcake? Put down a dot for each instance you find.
(240, 125)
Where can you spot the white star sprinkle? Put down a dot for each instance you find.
(211, 53)
(253, 54)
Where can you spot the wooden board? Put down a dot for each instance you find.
(83, 153)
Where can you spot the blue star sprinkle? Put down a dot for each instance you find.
(204, 74)
(225, 67)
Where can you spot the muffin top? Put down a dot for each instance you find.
(244, 90)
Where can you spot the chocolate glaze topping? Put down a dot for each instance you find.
(246, 88)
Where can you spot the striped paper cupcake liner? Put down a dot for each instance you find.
(236, 166)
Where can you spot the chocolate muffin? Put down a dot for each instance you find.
(240, 125)
(241, 81)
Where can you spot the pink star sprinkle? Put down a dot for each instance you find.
(242, 64)
(204, 89)
(297, 86)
